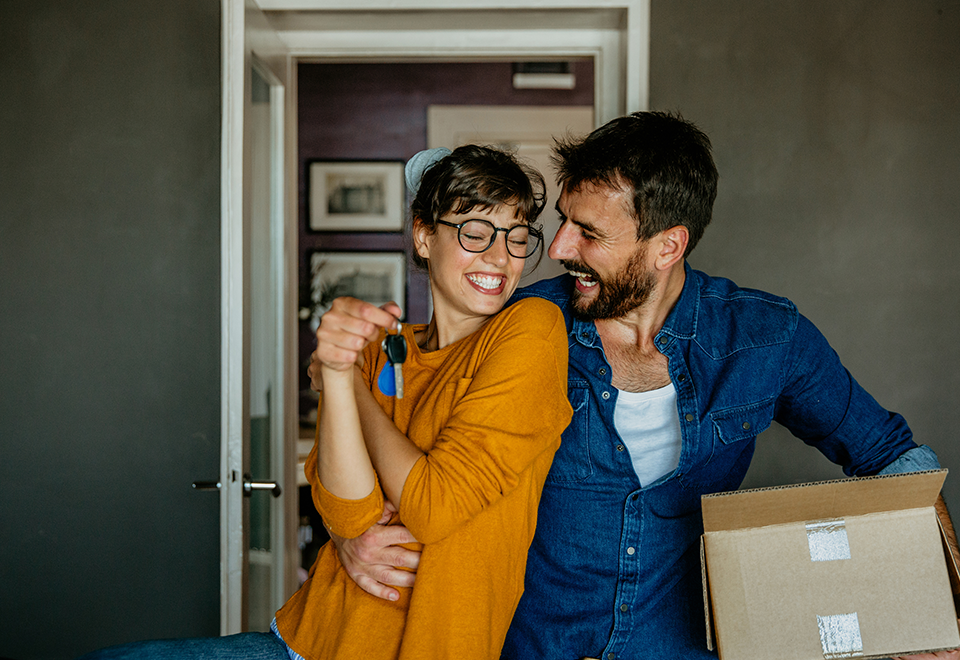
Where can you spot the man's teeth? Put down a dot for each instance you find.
(585, 280)
(485, 281)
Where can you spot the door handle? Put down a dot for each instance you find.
(249, 485)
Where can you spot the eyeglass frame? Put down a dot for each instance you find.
(493, 237)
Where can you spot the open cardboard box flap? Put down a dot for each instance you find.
(885, 590)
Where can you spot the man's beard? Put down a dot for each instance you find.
(627, 290)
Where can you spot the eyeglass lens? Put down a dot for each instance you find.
(478, 235)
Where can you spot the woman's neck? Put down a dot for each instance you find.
(440, 333)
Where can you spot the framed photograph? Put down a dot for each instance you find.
(356, 196)
(376, 277)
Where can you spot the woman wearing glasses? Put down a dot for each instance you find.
(460, 444)
(461, 447)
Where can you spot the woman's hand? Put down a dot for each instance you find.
(345, 330)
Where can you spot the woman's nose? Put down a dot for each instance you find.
(497, 254)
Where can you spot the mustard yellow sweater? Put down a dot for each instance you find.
(488, 412)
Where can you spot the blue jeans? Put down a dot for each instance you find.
(249, 646)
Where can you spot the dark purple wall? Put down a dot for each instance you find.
(379, 112)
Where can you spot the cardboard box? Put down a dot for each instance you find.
(855, 568)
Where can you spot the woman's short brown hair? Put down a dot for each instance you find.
(476, 177)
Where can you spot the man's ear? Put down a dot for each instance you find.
(671, 246)
(420, 234)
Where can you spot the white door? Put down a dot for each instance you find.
(527, 130)
(257, 494)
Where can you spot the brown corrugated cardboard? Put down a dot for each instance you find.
(839, 569)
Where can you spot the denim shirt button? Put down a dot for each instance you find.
(681, 378)
(605, 395)
(746, 426)
(688, 417)
(619, 447)
(611, 656)
(631, 551)
(624, 607)
(663, 340)
(602, 371)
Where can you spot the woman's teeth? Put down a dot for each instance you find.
(485, 281)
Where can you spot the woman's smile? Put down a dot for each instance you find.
(486, 283)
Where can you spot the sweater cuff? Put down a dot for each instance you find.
(349, 518)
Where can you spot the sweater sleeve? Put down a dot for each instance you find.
(346, 518)
(510, 413)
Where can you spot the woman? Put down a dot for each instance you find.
(462, 454)
(465, 451)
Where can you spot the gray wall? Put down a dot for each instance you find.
(837, 133)
(109, 322)
(836, 130)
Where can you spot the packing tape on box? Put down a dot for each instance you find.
(840, 636)
(828, 540)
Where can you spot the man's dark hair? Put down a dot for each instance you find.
(477, 177)
(663, 160)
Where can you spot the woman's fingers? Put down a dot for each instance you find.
(348, 326)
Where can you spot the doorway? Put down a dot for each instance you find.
(613, 37)
(380, 112)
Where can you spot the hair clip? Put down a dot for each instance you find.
(420, 163)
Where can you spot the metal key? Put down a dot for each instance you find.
(395, 346)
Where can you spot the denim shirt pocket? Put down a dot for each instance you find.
(734, 432)
(572, 462)
(733, 425)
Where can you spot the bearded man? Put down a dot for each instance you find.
(672, 375)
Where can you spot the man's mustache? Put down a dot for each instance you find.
(580, 268)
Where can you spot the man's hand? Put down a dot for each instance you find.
(373, 560)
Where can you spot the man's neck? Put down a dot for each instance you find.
(640, 325)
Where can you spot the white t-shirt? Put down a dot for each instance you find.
(649, 424)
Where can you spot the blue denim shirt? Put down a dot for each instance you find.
(614, 569)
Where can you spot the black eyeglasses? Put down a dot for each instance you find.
(523, 241)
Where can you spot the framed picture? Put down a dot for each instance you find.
(356, 196)
(376, 277)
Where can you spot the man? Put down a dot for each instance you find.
(672, 376)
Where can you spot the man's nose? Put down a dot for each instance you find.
(562, 246)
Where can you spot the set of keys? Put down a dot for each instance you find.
(395, 346)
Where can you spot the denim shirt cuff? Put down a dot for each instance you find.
(913, 460)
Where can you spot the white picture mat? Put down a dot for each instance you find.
(375, 277)
(356, 196)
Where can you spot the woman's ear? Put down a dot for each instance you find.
(420, 234)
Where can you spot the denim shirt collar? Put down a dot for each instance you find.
(681, 323)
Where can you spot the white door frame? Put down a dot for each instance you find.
(247, 42)
(614, 33)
